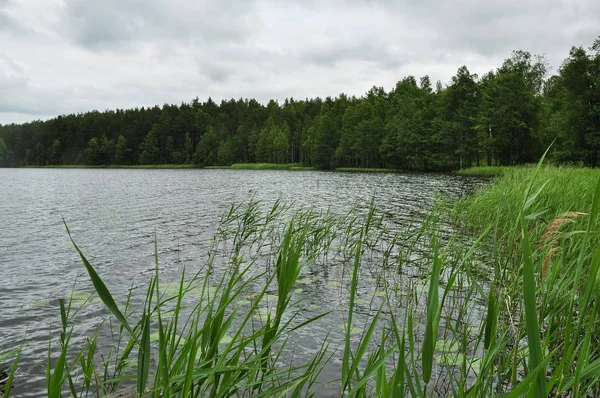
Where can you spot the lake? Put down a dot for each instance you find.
(115, 214)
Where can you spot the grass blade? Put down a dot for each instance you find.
(100, 287)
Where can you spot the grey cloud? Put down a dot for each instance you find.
(375, 52)
(498, 27)
(24, 103)
(102, 25)
(216, 73)
(30, 110)
(63, 56)
(12, 75)
(7, 22)
(229, 62)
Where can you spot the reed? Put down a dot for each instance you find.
(364, 170)
(495, 296)
(491, 171)
(270, 166)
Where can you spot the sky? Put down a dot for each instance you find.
(70, 56)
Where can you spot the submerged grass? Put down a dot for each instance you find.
(511, 311)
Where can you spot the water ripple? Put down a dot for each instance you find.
(115, 215)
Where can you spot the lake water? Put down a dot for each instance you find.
(114, 216)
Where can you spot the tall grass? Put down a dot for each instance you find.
(270, 166)
(365, 170)
(561, 190)
(546, 229)
(509, 309)
(9, 372)
(485, 170)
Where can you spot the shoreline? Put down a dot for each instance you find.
(237, 166)
(472, 171)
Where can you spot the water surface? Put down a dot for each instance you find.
(114, 216)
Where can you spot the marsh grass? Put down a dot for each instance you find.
(270, 166)
(484, 171)
(13, 357)
(365, 170)
(561, 190)
(426, 311)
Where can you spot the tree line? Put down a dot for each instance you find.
(507, 116)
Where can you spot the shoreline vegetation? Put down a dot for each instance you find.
(483, 171)
(513, 309)
(236, 166)
(491, 171)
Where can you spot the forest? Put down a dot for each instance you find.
(507, 116)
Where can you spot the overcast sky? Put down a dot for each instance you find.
(68, 56)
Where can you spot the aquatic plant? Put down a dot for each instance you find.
(426, 310)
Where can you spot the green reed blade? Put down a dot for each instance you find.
(100, 287)
(531, 317)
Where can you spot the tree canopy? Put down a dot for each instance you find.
(507, 116)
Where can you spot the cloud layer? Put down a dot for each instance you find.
(69, 56)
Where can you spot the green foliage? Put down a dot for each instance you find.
(54, 153)
(484, 171)
(269, 166)
(80, 160)
(214, 349)
(107, 150)
(14, 355)
(150, 149)
(3, 153)
(207, 148)
(169, 149)
(121, 150)
(188, 148)
(365, 170)
(319, 142)
(177, 157)
(567, 189)
(272, 145)
(460, 107)
(510, 109)
(572, 107)
(411, 138)
(93, 152)
(226, 152)
(36, 156)
(361, 133)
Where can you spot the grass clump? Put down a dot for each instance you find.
(7, 373)
(215, 349)
(365, 170)
(484, 171)
(270, 166)
(545, 255)
(561, 190)
(155, 166)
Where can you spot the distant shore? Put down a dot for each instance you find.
(236, 166)
(483, 171)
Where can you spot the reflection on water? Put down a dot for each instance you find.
(114, 215)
